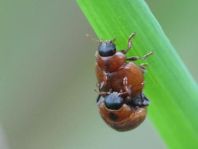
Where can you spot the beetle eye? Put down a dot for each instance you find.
(113, 101)
(107, 49)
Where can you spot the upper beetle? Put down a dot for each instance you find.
(116, 72)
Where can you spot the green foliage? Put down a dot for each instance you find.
(172, 90)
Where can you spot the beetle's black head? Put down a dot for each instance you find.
(107, 48)
(113, 101)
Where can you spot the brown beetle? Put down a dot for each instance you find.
(114, 73)
(120, 115)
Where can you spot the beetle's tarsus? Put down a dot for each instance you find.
(135, 58)
(129, 43)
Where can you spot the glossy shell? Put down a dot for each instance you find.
(126, 118)
(113, 70)
(111, 63)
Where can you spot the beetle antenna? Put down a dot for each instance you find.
(92, 38)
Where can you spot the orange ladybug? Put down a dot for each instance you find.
(118, 73)
(119, 114)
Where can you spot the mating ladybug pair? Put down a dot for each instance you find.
(121, 102)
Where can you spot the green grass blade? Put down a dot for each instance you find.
(169, 85)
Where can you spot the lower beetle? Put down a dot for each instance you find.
(120, 114)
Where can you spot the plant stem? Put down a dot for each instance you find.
(169, 85)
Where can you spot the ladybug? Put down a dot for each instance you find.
(119, 114)
(115, 72)
(122, 105)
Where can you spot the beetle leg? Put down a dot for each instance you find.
(135, 58)
(101, 93)
(126, 87)
(101, 85)
(129, 43)
(123, 93)
(104, 81)
(97, 99)
(104, 93)
(145, 100)
(140, 100)
(147, 55)
(143, 67)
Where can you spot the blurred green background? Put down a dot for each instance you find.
(47, 80)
